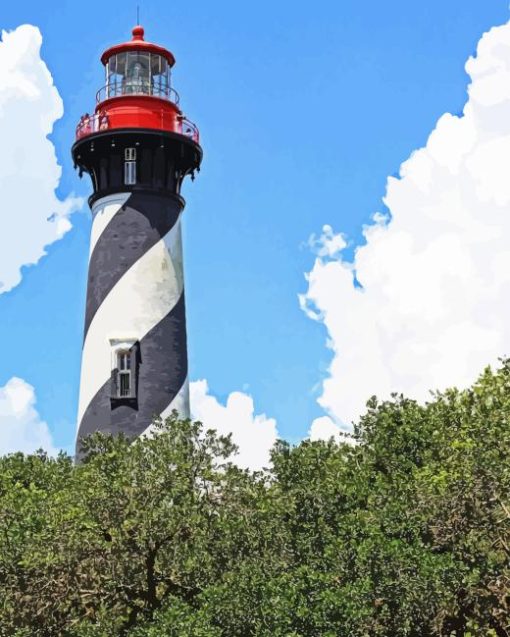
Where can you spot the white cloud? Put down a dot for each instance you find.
(324, 428)
(435, 298)
(21, 427)
(253, 434)
(32, 215)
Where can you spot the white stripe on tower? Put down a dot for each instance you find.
(135, 293)
(103, 212)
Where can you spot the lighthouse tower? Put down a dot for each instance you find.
(137, 147)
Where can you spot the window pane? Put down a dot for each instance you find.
(124, 361)
(155, 64)
(130, 172)
(116, 74)
(120, 68)
(159, 67)
(111, 65)
(124, 386)
(137, 73)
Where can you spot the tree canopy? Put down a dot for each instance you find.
(405, 533)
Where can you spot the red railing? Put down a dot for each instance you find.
(90, 124)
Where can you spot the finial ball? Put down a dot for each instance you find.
(138, 32)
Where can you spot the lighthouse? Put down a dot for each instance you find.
(137, 147)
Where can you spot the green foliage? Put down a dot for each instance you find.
(406, 533)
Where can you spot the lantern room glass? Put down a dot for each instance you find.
(138, 73)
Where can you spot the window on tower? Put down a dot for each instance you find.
(124, 381)
(130, 166)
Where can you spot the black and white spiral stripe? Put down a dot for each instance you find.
(135, 292)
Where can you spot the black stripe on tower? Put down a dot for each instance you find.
(162, 372)
(140, 223)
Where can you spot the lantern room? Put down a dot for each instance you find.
(137, 91)
(138, 68)
(137, 73)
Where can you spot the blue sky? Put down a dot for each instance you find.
(304, 112)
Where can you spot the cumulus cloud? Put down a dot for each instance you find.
(424, 303)
(324, 428)
(32, 215)
(253, 434)
(21, 427)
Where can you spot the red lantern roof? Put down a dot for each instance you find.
(137, 43)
